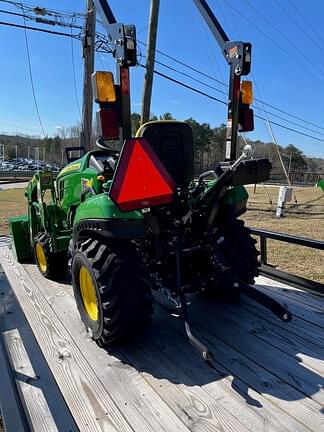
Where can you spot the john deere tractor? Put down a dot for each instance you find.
(130, 222)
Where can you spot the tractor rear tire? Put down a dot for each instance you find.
(111, 289)
(51, 265)
(238, 249)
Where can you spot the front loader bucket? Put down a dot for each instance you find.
(20, 243)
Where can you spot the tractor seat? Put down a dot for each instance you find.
(172, 141)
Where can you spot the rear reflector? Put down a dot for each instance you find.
(140, 179)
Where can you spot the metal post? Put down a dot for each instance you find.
(2, 152)
(150, 59)
(263, 249)
(37, 156)
(88, 55)
(16, 152)
(289, 166)
(232, 115)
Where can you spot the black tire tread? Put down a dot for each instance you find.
(57, 263)
(123, 287)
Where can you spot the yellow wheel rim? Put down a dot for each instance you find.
(88, 293)
(41, 258)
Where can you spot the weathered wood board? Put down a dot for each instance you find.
(266, 375)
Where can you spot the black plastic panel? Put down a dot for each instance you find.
(173, 144)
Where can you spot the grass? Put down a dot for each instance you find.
(12, 203)
(305, 219)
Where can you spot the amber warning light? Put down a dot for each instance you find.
(140, 179)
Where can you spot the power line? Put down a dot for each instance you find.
(224, 103)
(41, 20)
(287, 53)
(195, 70)
(201, 82)
(307, 23)
(284, 36)
(31, 79)
(225, 85)
(25, 27)
(224, 93)
(298, 25)
(48, 11)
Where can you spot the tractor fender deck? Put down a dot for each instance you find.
(110, 228)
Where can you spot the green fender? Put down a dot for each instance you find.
(99, 216)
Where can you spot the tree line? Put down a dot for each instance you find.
(209, 145)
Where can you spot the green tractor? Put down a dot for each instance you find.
(128, 223)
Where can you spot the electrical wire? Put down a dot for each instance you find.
(314, 41)
(310, 26)
(48, 11)
(198, 81)
(226, 94)
(39, 29)
(225, 85)
(284, 36)
(31, 78)
(41, 20)
(224, 103)
(287, 53)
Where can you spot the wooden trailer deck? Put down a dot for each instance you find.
(266, 375)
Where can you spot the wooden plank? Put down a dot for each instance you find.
(312, 300)
(218, 322)
(301, 310)
(91, 405)
(13, 318)
(291, 401)
(9, 405)
(306, 353)
(37, 409)
(142, 406)
(297, 327)
(64, 304)
(250, 407)
(191, 402)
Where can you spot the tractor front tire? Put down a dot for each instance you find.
(51, 265)
(111, 289)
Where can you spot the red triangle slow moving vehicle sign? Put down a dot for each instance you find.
(140, 179)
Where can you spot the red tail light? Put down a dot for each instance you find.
(108, 123)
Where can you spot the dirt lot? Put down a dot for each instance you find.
(305, 219)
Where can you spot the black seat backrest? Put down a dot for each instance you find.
(172, 141)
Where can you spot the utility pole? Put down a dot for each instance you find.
(150, 59)
(88, 55)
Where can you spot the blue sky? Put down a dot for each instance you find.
(288, 60)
